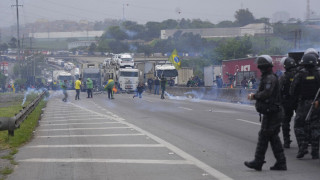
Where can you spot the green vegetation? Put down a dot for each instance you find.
(24, 133)
(6, 171)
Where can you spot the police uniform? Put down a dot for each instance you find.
(268, 104)
(305, 86)
(288, 102)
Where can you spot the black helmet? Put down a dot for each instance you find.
(288, 62)
(312, 51)
(309, 60)
(264, 61)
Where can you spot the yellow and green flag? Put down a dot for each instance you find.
(175, 59)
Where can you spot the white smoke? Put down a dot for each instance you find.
(31, 91)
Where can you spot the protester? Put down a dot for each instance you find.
(163, 86)
(244, 83)
(156, 85)
(89, 84)
(219, 81)
(64, 90)
(77, 86)
(139, 91)
(150, 84)
(109, 87)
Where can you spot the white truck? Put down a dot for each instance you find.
(166, 70)
(128, 79)
(123, 73)
(59, 76)
(124, 60)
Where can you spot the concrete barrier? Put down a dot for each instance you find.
(209, 93)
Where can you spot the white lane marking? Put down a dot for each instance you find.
(222, 111)
(185, 108)
(125, 161)
(248, 121)
(148, 100)
(73, 129)
(95, 135)
(98, 146)
(79, 124)
(68, 116)
(210, 170)
(46, 121)
(80, 118)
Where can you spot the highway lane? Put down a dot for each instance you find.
(170, 132)
(223, 135)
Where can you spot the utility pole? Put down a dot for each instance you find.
(123, 6)
(18, 30)
(266, 34)
(308, 10)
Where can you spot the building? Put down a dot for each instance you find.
(76, 44)
(250, 29)
(81, 35)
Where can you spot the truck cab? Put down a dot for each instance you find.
(166, 70)
(128, 79)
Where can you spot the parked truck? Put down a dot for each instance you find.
(168, 71)
(59, 76)
(125, 78)
(234, 70)
(92, 71)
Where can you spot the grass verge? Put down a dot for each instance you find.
(21, 135)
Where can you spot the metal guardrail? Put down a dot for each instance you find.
(12, 123)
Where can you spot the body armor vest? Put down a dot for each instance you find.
(310, 85)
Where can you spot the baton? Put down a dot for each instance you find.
(310, 110)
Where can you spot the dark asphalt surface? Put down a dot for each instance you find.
(199, 140)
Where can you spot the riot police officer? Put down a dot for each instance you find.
(305, 86)
(288, 102)
(268, 105)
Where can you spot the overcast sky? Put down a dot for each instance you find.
(143, 11)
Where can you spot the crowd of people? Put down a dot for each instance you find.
(297, 90)
(195, 82)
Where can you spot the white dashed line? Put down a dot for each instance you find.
(248, 121)
(74, 129)
(126, 161)
(79, 124)
(96, 135)
(185, 108)
(97, 145)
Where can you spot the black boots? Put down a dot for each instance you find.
(301, 153)
(279, 166)
(257, 165)
(286, 144)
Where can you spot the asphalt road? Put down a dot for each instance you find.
(150, 139)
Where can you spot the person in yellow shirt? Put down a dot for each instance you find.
(77, 86)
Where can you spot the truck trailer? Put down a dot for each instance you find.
(234, 70)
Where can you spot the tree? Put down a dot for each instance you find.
(263, 20)
(146, 49)
(244, 17)
(153, 30)
(118, 47)
(13, 43)
(92, 47)
(234, 48)
(4, 47)
(225, 24)
(114, 32)
(2, 80)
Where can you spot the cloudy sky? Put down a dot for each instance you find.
(143, 11)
